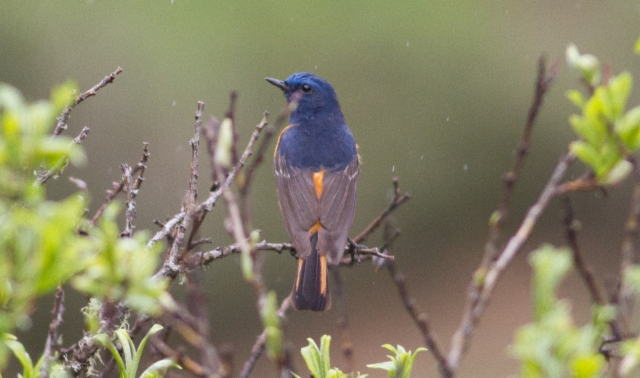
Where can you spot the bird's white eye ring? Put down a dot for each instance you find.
(306, 88)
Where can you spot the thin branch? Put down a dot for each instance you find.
(181, 359)
(141, 167)
(198, 218)
(419, 317)
(45, 175)
(258, 347)
(210, 134)
(543, 84)
(630, 245)
(52, 335)
(195, 143)
(571, 226)
(173, 262)
(208, 204)
(486, 281)
(359, 253)
(64, 117)
(346, 345)
(119, 186)
(479, 290)
(398, 200)
(130, 204)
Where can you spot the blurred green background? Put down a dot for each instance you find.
(435, 92)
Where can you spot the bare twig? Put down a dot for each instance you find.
(398, 200)
(119, 186)
(543, 84)
(52, 335)
(45, 175)
(181, 359)
(359, 252)
(419, 317)
(189, 206)
(630, 245)
(198, 217)
(141, 167)
(486, 280)
(79, 183)
(207, 205)
(238, 224)
(343, 321)
(196, 302)
(210, 134)
(571, 225)
(195, 143)
(258, 347)
(245, 181)
(490, 268)
(64, 117)
(130, 204)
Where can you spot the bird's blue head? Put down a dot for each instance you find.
(314, 95)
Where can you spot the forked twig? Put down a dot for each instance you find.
(487, 279)
(64, 117)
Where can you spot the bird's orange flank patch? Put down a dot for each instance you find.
(317, 181)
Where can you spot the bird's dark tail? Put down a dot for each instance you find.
(310, 291)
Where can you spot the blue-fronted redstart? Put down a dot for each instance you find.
(316, 165)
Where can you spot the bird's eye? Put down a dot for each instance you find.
(306, 88)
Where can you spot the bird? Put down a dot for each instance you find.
(316, 166)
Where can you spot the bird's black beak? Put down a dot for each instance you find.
(278, 83)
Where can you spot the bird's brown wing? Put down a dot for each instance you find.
(337, 207)
(298, 203)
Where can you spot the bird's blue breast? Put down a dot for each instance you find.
(318, 144)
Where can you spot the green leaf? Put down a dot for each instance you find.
(401, 363)
(628, 128)
(311, 356)
(550, 265)
(104, 340)
(318, 360)
(631, 278)
(138, 354)
(225, 141)
(21, 354)
(576, 98)
(617, 174)
(631, 356)
(586, 64)
(618, 92)
(272, 325)
(63, 95)
(159, 368)
(128, 350)
(129, 367)
(552, 345)
(325, 356)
